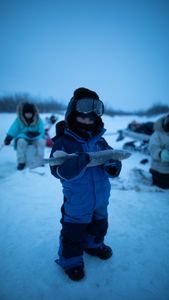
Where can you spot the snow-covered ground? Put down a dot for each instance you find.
(29, 230)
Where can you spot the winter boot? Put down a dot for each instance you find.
(21, 166)
(76, 273)
(103, 252)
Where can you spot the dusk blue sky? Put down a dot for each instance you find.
(120, 49)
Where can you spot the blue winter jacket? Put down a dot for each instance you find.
(20, 130)
(86, 190)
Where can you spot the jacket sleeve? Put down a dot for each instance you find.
(113, 168)
(14, 129)
(71, 168)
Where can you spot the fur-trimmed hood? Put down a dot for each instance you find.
(20, 110)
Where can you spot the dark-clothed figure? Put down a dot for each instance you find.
(86, 190)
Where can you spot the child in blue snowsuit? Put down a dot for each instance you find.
(86, 190)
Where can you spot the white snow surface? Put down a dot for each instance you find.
(30, 226)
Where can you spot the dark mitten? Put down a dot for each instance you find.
(113, 167)
(74, 166)
(7, 140)
(31, 134)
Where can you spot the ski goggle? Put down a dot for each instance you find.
(89, 105)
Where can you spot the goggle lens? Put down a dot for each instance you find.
(89, 105)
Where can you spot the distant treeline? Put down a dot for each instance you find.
(154, 110)
(9, 103)
(51, 105)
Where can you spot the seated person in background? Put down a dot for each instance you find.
(159, 151)
(27, 129)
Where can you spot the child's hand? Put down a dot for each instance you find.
(83, 156)
(73, 167)
(32, 134)
(113, 167)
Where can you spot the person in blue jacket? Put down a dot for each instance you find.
(28, 128)
(86, 190)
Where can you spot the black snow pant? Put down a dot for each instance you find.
(74, 236)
